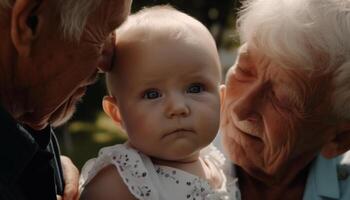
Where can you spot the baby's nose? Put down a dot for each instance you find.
(177, 107)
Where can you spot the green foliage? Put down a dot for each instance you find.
(81, 140)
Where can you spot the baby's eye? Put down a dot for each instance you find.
(195, 88)
(151, 94)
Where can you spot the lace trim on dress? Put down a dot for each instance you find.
(129, 166)
(149, 182)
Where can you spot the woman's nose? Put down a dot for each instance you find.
(246, 105)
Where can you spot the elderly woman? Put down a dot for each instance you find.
(286, 104)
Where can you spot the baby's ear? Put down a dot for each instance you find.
(340, 142)
(110, 107)
(222, 94)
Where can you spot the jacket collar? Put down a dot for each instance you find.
(322, 180)
(17, 148)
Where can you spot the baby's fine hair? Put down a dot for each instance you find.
(150, 22)
(157, 23)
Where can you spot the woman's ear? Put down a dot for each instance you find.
(110, 107)
(339, 144)
(24, 24)
(222, 94)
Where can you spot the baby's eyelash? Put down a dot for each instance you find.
(151, 94)
(196, 88)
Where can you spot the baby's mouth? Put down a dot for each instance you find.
(180, 131)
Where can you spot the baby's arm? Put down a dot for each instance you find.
(107, 185)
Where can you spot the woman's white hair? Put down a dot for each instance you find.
(73, 14)
(307, 34)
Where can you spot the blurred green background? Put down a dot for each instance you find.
(90, 129)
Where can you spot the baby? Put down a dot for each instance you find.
(164, 91)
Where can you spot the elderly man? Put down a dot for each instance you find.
(49, 54)
(286, 104)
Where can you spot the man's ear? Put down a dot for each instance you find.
(222, 94)
(24, 24)
(339, 144)
(110, 107)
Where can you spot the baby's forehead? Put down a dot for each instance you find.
(178, 33)
(146, 38)
(164, 47)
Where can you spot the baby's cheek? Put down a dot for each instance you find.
(146, 125)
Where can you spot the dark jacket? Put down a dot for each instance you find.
(30, 165)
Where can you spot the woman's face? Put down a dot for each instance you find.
(267, 128)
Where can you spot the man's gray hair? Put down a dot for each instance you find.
(308, 34)
(73, 14)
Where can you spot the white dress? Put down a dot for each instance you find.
(148, 181)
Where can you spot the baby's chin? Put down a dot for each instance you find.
(187, 157)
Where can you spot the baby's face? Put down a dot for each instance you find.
(168, 97)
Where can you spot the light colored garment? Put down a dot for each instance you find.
(148, 181)
(328, 179)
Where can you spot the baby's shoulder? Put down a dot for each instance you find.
(107, 184)
(106, 156)
(126, 166)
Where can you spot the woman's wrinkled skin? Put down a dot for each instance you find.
(270, 121)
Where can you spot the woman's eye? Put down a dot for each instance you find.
(277, 101)
(195, 88)
(242, 74)
(151, 94)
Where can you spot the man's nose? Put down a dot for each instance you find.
(247, 104)
(176, 106)
(107, 57)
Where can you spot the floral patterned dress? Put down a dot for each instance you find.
(148, 181)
